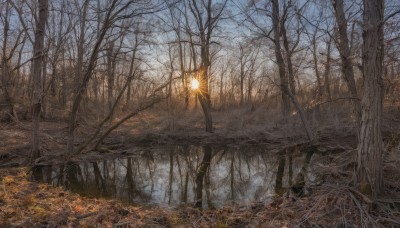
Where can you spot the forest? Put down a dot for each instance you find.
(200, 113)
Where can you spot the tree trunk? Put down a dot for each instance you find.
(128, 97)
(182, 69)
(315, 58)
(369, 169)
(221, 91)
(5, 68)
(81, 43)
(241, 85)
(345, 55)
(205, 29)
(287, 94)
(110, 75)
(37, 64)
(327, 82)
(85, 80)
(279, 58)
(204, 98)
(44, 91)
(80, 56)
(63, 95)
(292, 83)
(242, 74)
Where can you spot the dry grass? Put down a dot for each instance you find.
(30, 204)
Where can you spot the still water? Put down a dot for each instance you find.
(173, 175)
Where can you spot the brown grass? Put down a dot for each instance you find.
(30, 204)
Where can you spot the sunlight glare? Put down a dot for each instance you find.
(195, 84)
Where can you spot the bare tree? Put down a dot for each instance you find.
(314, 51)
(115, 11)
(37, 66)
(247, 60)
(287, 94)
(206, 16)
(177, 18)
(343, 46)
(369, 167)
(10, 45)
(289, 50)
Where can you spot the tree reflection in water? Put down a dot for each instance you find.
(173, 175)
(202, 170)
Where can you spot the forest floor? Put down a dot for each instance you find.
(335, 203)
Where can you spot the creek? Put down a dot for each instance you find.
(175, 175)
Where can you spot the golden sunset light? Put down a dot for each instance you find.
(194, 84)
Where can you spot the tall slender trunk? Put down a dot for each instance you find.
(44, 82)
(86, 77)
(182, 69)
(292, 83)
(37, 64)
(343, 45)
(221, 91)
(287, 94)
(81, 43)
(317, 74)
(63, 95)
(242, 74)
(5, 68)
(205, 29)
(193, 57)
(279, 58)
(171, 121)
(327, 72)
(111, 64)
(369, 169)
(128, 96)
(204, 98)
(80, 56)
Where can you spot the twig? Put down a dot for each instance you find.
(362, 212)
(364, 197)
(336, 99)
(123, 223)
(82, 216)
(389, 220)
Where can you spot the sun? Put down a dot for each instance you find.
(195, 84)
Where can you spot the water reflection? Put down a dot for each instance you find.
(173, 175)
